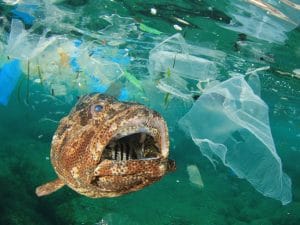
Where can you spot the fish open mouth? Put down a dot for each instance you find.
(137, 143)
(135, 156)
(132, 146)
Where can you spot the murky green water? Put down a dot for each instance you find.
(30, 119)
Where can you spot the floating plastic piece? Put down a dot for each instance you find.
(184, 65)
(25, 13)
(106, 71)
(98, 88)
(257, 70)
(117, 91)
(11, 2)
(9, 76)
(26, 18)
(119, 56)
(150, 30)
(195, 176)
(296, 73)
(171, 65)
(25, 45)
(132, 79)
(177, 27)
(58, 90)
(254, 82)
(269, 8)
(268, 20)
(173, 54)
(153, 11)
(231, 123)
(118, 28)
(175, 86)
(123, 95)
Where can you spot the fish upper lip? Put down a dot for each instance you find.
(129, 130)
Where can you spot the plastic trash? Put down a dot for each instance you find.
(118, 91)
(287, 8)
(11, 2)
(132, 79)
(9, 76)
(172, 66)
(296, 73)
(195, 176)
(58, 90)
(25, 12)
(230, 123)
(148, 29)
(23, 44)
(185, 65)
(104, 70)
(268, 20)
(119, 28)
(173, 54)
(175, 85)
(26, 18)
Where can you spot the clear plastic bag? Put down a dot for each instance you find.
(230, 123)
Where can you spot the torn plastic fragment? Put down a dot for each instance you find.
(195, 176)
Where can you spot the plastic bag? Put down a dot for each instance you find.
(231, 123)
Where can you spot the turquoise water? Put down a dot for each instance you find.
(124, 32)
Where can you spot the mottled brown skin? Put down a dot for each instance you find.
(82, 136)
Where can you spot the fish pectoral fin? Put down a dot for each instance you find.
(49, 187)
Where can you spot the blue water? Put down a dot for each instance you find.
(113, 35)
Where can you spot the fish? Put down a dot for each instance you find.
(107, 148)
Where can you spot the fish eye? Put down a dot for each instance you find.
(98, 108)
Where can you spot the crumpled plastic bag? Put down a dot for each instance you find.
(231, 123)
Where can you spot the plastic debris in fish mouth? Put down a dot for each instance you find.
(106, 148)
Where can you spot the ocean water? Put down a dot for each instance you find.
(58, 37)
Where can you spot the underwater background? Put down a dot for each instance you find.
(51, 52)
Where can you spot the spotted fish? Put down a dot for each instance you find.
(107, 148)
